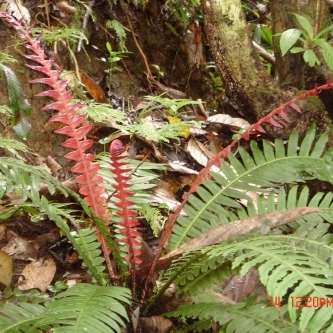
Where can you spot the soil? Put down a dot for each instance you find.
(128, 86)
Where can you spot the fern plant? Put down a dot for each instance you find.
(296, 264)
(290, 266)
(97, 309)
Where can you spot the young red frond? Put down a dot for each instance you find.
(128, 220)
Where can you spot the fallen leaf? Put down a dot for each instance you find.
(19, 248)
(6, 268)
(241, 286)
(199, 152)
(156, 324)
(180, 167)
(38, 274)
(93, 88)
(241, 227)
(53, 165)
(222, 233)
(225, 119)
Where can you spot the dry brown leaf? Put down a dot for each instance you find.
(199, 152)
(193, 45)
(93, 88)
(163, 196)
(6, 268)
(53, 165)
(38, 274)
(180, 167)
(242, 286)
(155, 324)
(225, 119)
(241, 227)
(19, 248)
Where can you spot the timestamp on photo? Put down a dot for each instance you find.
(300, 302)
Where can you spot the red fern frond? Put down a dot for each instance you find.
(128, 222)
(88, 179)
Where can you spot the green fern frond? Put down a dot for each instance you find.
(101, 112)
(6, 58)
(240, 317)
(20, 318)
(82, 308)
(97, 309)
(194, 272)
(164, 134)
(86, 240)
(58, 35)
(217, 199)
(301, 261)
(18, 104)
(5, 110)
(153, 216)
(171, 105)
(295, 197)
(13, 146)
(120, 31)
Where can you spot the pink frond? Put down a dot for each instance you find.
(128, 215)
(67, 115)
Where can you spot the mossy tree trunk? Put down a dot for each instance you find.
(245, 80)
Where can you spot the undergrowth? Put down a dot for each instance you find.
(255, 216)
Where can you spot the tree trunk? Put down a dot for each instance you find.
(245, 80)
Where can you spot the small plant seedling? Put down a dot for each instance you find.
(311, 43)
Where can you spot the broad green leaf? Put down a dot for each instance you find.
(310, 58)
(305, 24)
(288, 39)
(327, 52)
(297, 49)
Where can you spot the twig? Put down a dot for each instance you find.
(85, 22)
(150, 76)
(262, 52)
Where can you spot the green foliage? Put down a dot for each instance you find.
(114, 56)
(84, 307)
(172, 106)
(25, 180)
(290, 266)
(310, 43)
(217, 201)
(71, 35)
(18, 104)
(153, 216)
(164, 134)
(120, 31)
(300, 261)
(241, 317)
(13, 146)
(6, 58)
(184, 12)
(102, 113)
